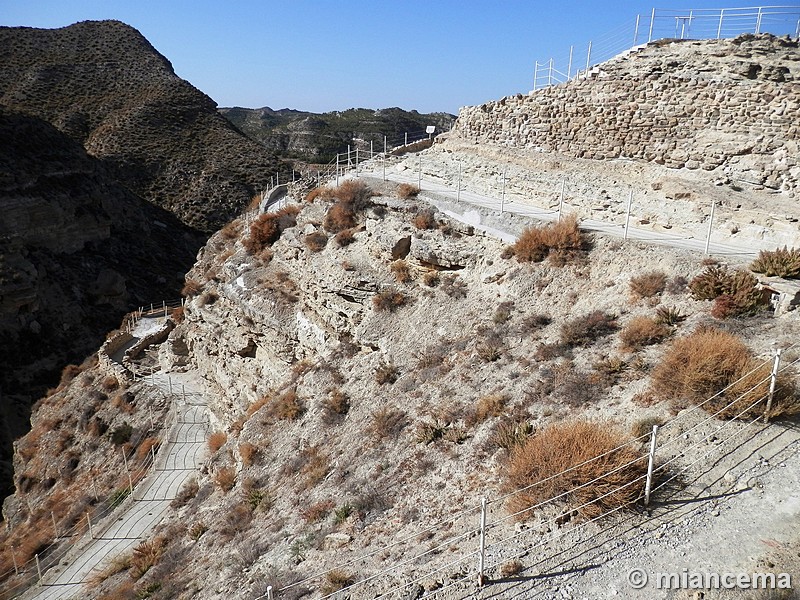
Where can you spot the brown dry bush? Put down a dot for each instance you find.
(336, 580)
(248, 452)
(782, 262)
(340, 216)
(145, 555)
(643, 331)
(588, 328)
(232, 230)
(345, 237)
(561, 241)
(407, 190)
(354, 192)
(491, 405)
(386, 373)
(192, 287)
(225, 478)
(431, 278)
(401, 271)
(316, 241)
(387, 422)
(424, 219)
(318, 192)
(315, 466)
(735, 292)
(148, 444)
(317, 511)
(698, 367)
(336, 406)
(389, 299)
(288, 406)
(178, 314)
(217, 440)
(267, 229)
(648, 284)
(594, 449)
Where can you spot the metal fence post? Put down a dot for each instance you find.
(53, 519)
(569, 64)
(405, 143)
(482, 551)
(719, 27)
(535, 73)
(89, 521)
(773, 379)
(710, 225)
(636, 29)
(38, 568)
(419, 176)
(356, 161)
(588, 58)
(14, 558)
(758, 20)
(561, 198)
(269, 592)
(458, 193)
(384, 158)
(628, 216)
(652, 21)
(337, 169)
(650, 462)
(125, 460)
(550, 73)
(503, 193)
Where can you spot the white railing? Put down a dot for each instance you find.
(704, 23)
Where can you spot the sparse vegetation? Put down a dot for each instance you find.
(643, 331)
(386, 373)
(216, 441)
(225, 478)
(562, 242)
(783, 262)
(345, 237)
(648, 285)
(387, 422)
(563, 456)
(669, 315)
(316, 241)
(401, 271)
(424, 219)
(735, 293)
(407, 190)
(336, 580)
(389, 299)
(588, 328)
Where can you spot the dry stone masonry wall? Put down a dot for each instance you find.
(730, 104)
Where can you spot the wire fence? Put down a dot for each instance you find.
(666, 24)
(484, 532)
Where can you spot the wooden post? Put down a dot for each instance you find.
(650, 462)
(130, 479)
(384, 158)
(710, 225)
(628, 216)
(482, 550)
(773, 379)
(89, 521)
(53, 519)
(14, 558)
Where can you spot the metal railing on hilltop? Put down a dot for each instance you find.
(704, 23)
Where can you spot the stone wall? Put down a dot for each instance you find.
(730, 104)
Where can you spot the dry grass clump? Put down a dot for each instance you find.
(145, 555)
(345, 237)
(698, 367)
(352, 196)
(288, 406)
(389, 299)
(318, 192)
(588, 328)
(511, 568)
(217, 440)
(315, 466)
(225, 478)
(669, 315)
(401, 271)
(248, 452)
(387, 422)
(643, 331)
(340, 216)
(178, 315)
(563, 456)
(316, 241)
(431, 278)
(424, 219)
(192, 287)
(407, 190)
(562, 242)
(648, 285)
(336, 580)
(317, 511)
(267, 229)
(354, 192)
(232, 230)
(510, 433)
(783, 262)
(187, 492)
(491, 405)
(735, 293)
(386, 373)
(336, 406)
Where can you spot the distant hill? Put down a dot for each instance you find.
(318, 137)
(105, 86)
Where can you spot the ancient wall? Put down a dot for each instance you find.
(695, 105)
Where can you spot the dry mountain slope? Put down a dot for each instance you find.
(104, 85)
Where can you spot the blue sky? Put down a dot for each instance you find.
(434, 55)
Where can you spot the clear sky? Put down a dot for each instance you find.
(315, 55)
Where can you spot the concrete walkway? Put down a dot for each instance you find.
(178, 459)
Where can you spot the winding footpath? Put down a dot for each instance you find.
(179, 457)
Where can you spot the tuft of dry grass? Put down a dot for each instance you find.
(248, 452)
(192, 287)
(316, 241)
(735, 292)
(288, 406)
(643, 331)
(387, 422)
(389, 299)
(336, 580)
(386, 373)
(340, 216)
(267, 229)
(424, 219)
(782, 262)
(145, 556)
(336, 405)
(491, 405)
(588, 328)
(217, 440)
(562, 242)
(563, 456)
(401, 271)
(317, 511)
(225, 478)
(648, 285)
(407, 191)
(315, 466)
(698, 367)
(511, 568)
(345, 237)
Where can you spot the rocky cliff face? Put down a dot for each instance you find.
(105, 86)
(318, 137)
(713, 105)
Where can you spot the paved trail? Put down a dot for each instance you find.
(178, 459)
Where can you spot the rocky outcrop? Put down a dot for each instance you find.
(727, 106)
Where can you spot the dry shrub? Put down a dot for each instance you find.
(699, 366)
(317, 511)
(407, 190)
(148, 444)
(387, 422)
(401, 271)
(563, 456)
(336, 580)
(257, 405)
(315, 466)
(178, 314)
(491, 405)
(588, 328)
(288, 406)
(145, 555)
(187, 492)
(389, 299)
(511, 432)
(648, 284)
(69, 373)
(424, 219)
(336, 406)
(267, 229)
(192, 287)
(353, 192)
(345, 237)
(669, 315)
(386, 373)
(643, 331)
(248, 452)
(735, 292)
(512, 568)
(318, 192)
(232, 230)
(782, 262)
(431, 278)
(225, 478)
(316, 241)
(340, 216)
(217, 440)
(561, 241)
